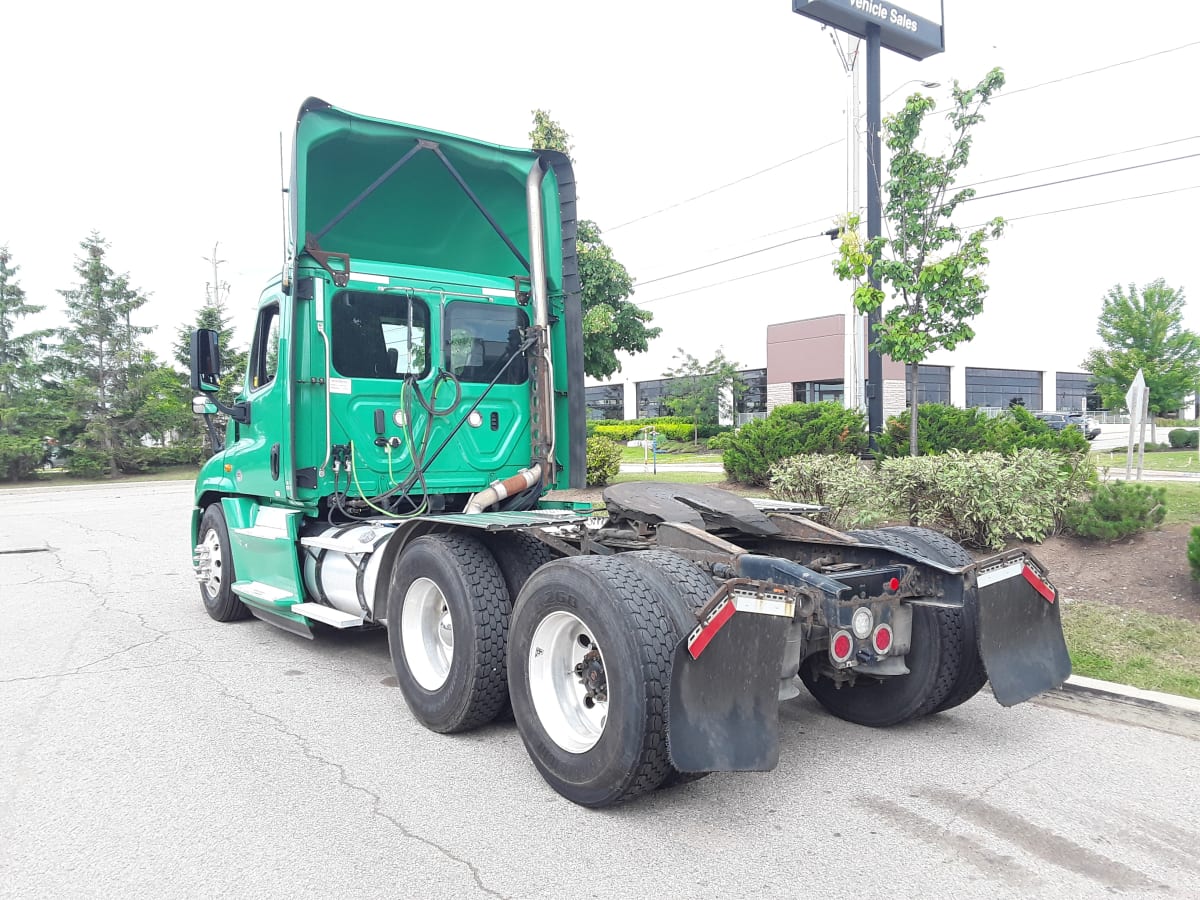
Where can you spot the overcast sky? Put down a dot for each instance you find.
(158, 125)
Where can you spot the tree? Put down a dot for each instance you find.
(703, 392)
(101, 351)
(933, 274)
(1145, 331)
(611, 323)
(15, 350)
(214, 314)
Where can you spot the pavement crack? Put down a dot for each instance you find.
(376, 801)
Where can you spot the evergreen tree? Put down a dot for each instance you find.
(101, 351)
(16, 350)
(214, 314)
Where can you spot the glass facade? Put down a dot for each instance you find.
(818, 391)
(650, 397)
(754, 392)
(1073, 388)
(605, 401)
(933, 385)
(1004, 387)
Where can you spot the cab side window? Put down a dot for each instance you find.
(264, 351)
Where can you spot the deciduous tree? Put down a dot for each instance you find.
(703, 391)
(611, 323)
(931, 272)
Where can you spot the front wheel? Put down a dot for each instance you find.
(214, 568)
(589, 675)
(447, 620)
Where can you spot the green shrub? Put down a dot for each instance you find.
(721, 442)
(1118, 509)
(1193, 552)
(603, 460)
(791, 430)
(1184, 439)
(87, 463)
(139, 459)
(19, 457)
(983, 499)
(628, 431)
(939, 428)
(843, 483)
(1019, 429)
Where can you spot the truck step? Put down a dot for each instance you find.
(264, 593)
(328, 615)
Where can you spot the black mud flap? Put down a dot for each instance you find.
(1020, 632)
(723, 712)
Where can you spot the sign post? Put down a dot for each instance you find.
(1137, 402)
(882, 24)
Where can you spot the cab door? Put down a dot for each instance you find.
(259, 456)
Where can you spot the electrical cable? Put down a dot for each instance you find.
(702, 287)
(732, 258)
(1145, 165)
(729, 184)
(1124, 62)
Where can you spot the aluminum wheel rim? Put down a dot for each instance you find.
(427, 634)
(216, 575)
(560, 642)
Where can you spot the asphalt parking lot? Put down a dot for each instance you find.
(149, 751)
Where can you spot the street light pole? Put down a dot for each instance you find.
(874, 229)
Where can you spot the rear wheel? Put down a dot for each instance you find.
(934, 662)
(447, 619)
(590, 653)
(214, 562)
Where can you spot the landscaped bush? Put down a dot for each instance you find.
(86, 463)
(941, 428)
(1184, 439)
(1194, 553)
(676, 428)
(841, 482)
(603, 460)
(983, 499)
(791, 430)
(136, 460)
(721, 442)
(19, 457)
(1118, 509)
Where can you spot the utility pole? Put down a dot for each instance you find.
(216, 288)
(874, 229)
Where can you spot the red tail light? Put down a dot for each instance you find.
(882, 639)
(841, 646)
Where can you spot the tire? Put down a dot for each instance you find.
(972, 674)
(684, 588)
(217, 590)
(595, 611)
(447, 621)
(933, 661)
(519, 555)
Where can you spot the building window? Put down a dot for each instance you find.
(933, 386)
(818, 391)
(753, 397)
(1073, 389)
(1004, 387)
(605, 401)
(650, 397)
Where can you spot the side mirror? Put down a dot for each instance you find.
(202, 406)
(206, 360)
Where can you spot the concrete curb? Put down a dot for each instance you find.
(1129, 705)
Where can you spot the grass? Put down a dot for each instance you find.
(60, 478)
(1183, 502)
(673, 477)
(1156, 653)
(672, 452)
(1158, 461)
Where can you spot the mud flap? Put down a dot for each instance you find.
(723, 711)
(1020, 633)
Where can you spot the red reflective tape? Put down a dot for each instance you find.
(1038, 585)
(703, 635)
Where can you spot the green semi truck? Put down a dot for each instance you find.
(415, 390)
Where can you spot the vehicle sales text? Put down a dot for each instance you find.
(895, 16)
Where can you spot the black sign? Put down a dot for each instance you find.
(899, 30)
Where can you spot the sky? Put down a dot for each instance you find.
(159, 126)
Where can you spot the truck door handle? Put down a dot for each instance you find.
(275, 462)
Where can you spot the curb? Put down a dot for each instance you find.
(1126, 704)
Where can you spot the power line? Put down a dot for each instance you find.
(1157, 162)
(732, 258)
(1049, 212)
(736, 278)
(1077, 162)
(1124, 62)
(729, 184)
